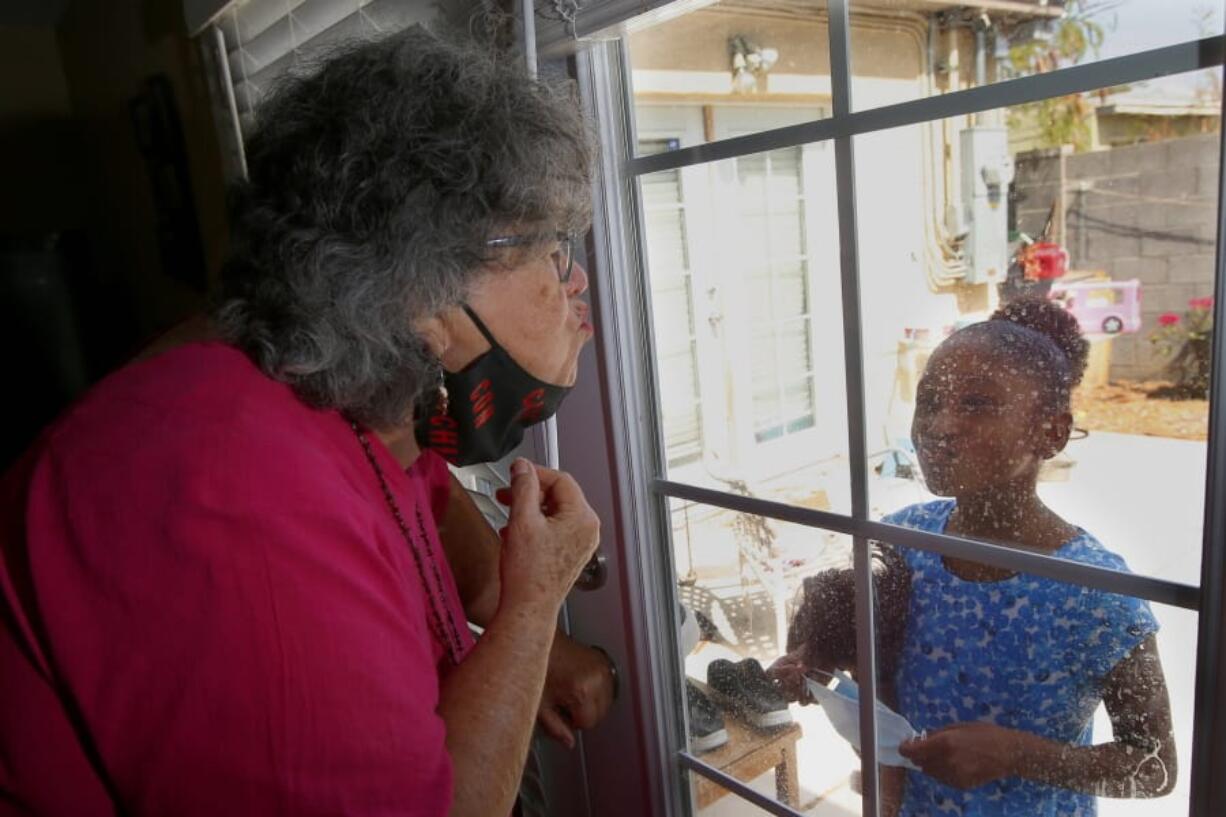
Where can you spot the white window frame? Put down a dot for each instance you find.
(639, 492)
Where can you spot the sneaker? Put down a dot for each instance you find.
(707, 730)
(747, 691)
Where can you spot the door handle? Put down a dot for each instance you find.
(595, 573)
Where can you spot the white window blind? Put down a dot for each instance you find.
(247, 44)
(266, 38)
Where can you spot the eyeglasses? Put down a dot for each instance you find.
(563, 257)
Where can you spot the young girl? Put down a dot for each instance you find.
(1003, 671)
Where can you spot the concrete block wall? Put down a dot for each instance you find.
(1146, 211)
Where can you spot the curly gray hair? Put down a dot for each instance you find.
(373, 185)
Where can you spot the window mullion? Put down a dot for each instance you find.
(857, 451)
(1139, 67)
(737, 787)
(1163, 591)
(1208, 795)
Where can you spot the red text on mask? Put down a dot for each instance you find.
(533, 406)
(482, 400)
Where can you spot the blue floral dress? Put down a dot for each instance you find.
(1025, 653)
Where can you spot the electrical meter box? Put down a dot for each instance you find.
(987, 170)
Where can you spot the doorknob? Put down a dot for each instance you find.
(595, 573)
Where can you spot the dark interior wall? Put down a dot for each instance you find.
(109, 50)
(70, 160)
(83, 278)
(37, 138)
(39, 198)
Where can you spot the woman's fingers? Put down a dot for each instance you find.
(559, 491)
(551, 533)
(556, 727)
(525, 488)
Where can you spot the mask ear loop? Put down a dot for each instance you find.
(829, 676)
(495, 345)
(481, 327)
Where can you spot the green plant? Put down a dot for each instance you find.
(1188, 341)
(1063, 120)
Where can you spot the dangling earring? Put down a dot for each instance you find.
(440, 391)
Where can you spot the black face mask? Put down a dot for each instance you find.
(489, 404)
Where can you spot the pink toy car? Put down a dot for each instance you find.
(1101, 307)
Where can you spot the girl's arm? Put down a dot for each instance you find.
(1139, 762)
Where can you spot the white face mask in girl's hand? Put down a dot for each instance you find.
(842, 706)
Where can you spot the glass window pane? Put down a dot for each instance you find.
(739, 576)
(794, 358)
(760, 300)
(712, 800)
(783, 174)
(663, 192)
(1013, 663)
(791, 285)
(703, 72)
(770, 185)
(754, 227)
(933, 50)
(798, 401)
(663, 206)
(672, 335)
(765, 317)
(1092, 412)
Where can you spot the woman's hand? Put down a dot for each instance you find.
(491, 699)
(551, 534)
(965, 755)
(578, 690)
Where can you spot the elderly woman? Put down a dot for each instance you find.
(225, 582)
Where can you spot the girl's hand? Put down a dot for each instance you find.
(966, 755)
(788, 673)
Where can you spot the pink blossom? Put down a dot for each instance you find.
(1201, 303)
(1168, 319)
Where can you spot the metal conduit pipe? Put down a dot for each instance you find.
(943, 265)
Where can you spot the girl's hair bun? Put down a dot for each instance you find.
(1053, 322)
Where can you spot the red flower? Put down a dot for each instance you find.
(1205, 303)
(1168, 319)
